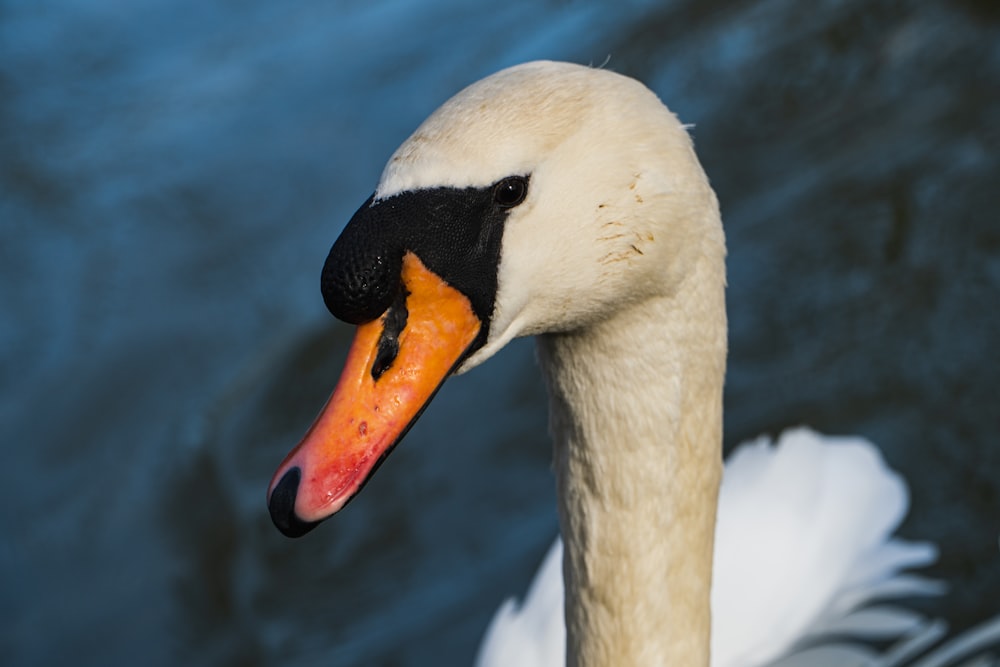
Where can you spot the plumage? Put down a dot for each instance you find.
(803, 539)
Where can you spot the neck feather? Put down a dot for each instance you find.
(636, 415)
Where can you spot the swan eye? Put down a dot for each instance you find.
(510, 191)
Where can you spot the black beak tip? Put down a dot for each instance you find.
(281, 505)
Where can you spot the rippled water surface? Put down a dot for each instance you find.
(172, 174)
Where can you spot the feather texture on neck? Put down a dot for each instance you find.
(636, 415)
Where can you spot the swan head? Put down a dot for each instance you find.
(544, 198)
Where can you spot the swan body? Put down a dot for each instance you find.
(802, 541)
(567, 202)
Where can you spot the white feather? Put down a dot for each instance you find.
(803, 539)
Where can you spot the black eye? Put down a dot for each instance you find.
(510, 191)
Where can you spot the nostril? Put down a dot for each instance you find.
(281, 505)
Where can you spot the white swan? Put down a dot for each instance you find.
(566, 202)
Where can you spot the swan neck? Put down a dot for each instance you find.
(636, 415)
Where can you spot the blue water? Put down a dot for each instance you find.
(172, 174)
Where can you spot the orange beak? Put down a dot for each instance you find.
(377, 399)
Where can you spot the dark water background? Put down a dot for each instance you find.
(172, 173)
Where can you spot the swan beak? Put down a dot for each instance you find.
(395, 366)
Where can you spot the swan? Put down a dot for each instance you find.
(567, 203)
